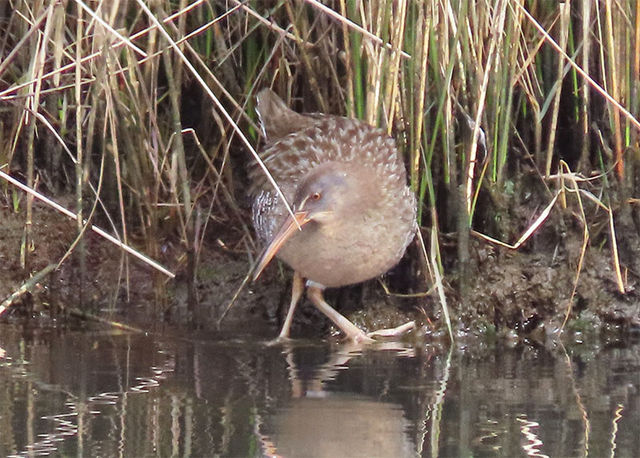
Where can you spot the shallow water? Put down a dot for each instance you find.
(104, 393)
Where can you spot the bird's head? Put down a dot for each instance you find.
(328, 195)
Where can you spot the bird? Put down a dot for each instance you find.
(352, 214)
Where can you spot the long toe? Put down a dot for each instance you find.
(393, 332)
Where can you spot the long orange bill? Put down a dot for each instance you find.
(289, 228)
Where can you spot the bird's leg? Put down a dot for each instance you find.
(296, 292)
(351, 330)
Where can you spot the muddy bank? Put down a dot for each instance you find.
(522, 292)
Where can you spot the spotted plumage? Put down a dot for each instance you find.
(347, 184)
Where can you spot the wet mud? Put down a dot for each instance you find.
(517, 293)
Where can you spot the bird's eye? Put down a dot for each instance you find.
(315, 196)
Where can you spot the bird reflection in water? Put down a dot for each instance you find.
(317, 422)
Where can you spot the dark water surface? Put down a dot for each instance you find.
(104, 393)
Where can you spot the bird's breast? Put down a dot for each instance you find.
(356, 250)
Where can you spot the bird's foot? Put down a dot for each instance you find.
(280, 340)
(393, 332)
(359, 337)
